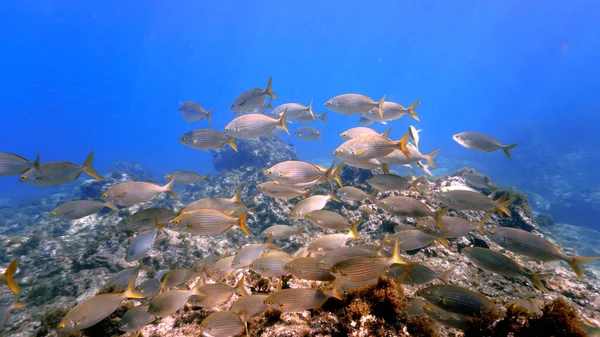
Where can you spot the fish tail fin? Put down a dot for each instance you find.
(18, 305)
(425, 168)
(399, 285)
(319, 136)
(241, 222)
(158, 225)
(240, 286)
(87, 166)
(438, 217)
(444, 276)
(386, 168)
(387, 132)
(415, 183)
(536, 280)
(270, 243)
(576, 264)
(208, 116)
(412, 108)
(409, 166)
(282, 122)
(231, 143)
(480, 228)
(444, 242)
(8, 277)
(336, 174)
(380, 107)
(402, 145)
(507, 149)
(323, 117)
(310, 110)
(354, 230)
(36, 162)
(207, 177)
(111, 206)
(237, 197)
(269, 90)
(504, 204)
(332, 195)
(357, 222)
(130, 291)
(396, 254)
(270, 105)
(168, 188)
(430, 156)
(372, 195)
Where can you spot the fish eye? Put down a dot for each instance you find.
(62, 325)
(176, 221)
(53, 213)
(388, 241)
(252, 266)
(322, 263)
(282, 306)
(308, 215)
(492, 232)
(227, 129)
(384, 202)
(183, 139)
(23, 177)
(104, 195)
(428, 293)
(269, 302)
(444, 196)
(427, 309)
(270, 171)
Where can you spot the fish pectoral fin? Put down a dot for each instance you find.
(359, 152)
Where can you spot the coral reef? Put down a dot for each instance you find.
(258, 153)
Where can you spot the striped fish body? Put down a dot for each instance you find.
(352, 193)
(310, 204)
(149, 288)
(349, 104)
(281, 191)
(524, 243)
(405, 206)
(248, 307)
(135, 319)
(271, 264)
(215, 203)
(371, 164)
(358, 131)
(328, 242)
(167, 303)
(347, 286)
(477, 141)
(206, 221)
(185, 177)
(13, 164)
(79, 209)
(281, 231)
(211, 295)
(456, 299)
(294, 111)
(390, 110)
(221, 268)
(389, 182)
(52, 174)
(192, 112)
(327, 220)
(454, 227)
(307, 133)
(397, 157)
(293, 300)
(251, 126)
(359, 269)
(343, 253)
(308, 268)
(294, 172)
(414, 274)
(146, 216)
(363, 148)
(495, 262)
(248, 254)
(410, 239)
(204, 139)
(444, 318)
(253, 99)
(132, 193)
(140, 245)
(222, 323)
(177, 277)
(468, 200)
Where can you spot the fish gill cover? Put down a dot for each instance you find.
(142, 147)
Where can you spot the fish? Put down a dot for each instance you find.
(293, 300)
(363, 148)
(445, 318)
(135, 319)
(193, 112)
(254, 126)
(294, 111)
(271, 264)
(398, 157)
(454, 227)
(414, 135)
(8, 277)
(405, 206)
(464, 198)
(58, 173)
(364, 121)
(479, 141)
(221, 268)
(533, 305)
(349, 104)
(222, 323)
(371, 164)
(414, 239)
(250, 253)
(122, 278)
(416, 273)
(525, 243)
(364, 268)
(177, 277)
(211, 295)
(261, 109)
(295, 172)
(390, 182)
(308, 268)
(348, 286)
(456, 299)
(476, 179)
(253, 98)
(136, 192)
(307, 134)
(80, 208)
(208, 261)
(12, 164)
(362, 131)
(333, 241)
(206, 139)
(392, 111)
(149, 288)
(281, 191)
(210, 221)
(501, 264)
(169, 302)
(415, 307)
(355, 194)
(308, 118)
(217, 203)
(146, 216)
(312, 203)
(339, 254)
(278, 232)
(329, 220)
(424, 167)
(94, 309)
(186, 177)
(141, 243)
(5, 310)
(250, 306)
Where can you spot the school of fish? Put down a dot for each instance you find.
(331, 259)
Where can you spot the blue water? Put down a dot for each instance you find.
(109, 75)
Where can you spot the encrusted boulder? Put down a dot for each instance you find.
(259, 153)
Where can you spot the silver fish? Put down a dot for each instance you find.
(339, 254)
(168, 302)
(149, 288)
(186, 177)
(141, 244)
(391, 111)
(456, 299)
(58, 173)
(364, 121)
(146, 216)
(193, 112)
(355, 194)
(416, 273)
(330, 220)
(333, 241)
(135, 319)
(308, 268)
(13, 164)
(390, 182)
(349, 104)
(312, 203)
(363, 148)
(206, 139)
(294, 111)
(281, 191)
(308, 118)
(80, 208)
(122, 278)
(250, 253)
(397, 157)
(221, 268)
(293, 300)
(177, 277)
(362, 131)
(281, 231)
(131, 193)
(464, 198)
(295, 172)
(210, 221)
(217, 203)
(414, 135)
(253, 99)
(250, 306)
(405, 206)
(479, 141)
(271, 264)
(307, 133)
(211, 295)
(254, 126)
(223, 323)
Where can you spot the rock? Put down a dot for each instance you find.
(259, 153)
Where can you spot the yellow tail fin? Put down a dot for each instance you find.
(444, 276)
(386, 168)
(242, 223)
(87, 166)
(36, 162)
(270, 243)
(438, 217)
(444, 242)
(411, 110)
(269, 90)
(575, 263)
(396, 255)
(231, 143)
(372, 195)
(8, 277)
(507, 149)
(282, 122)
(168, 188)
(208, 117)
(237, 197)
(111, 206)
(430, 156)
(380, 107)
(503, 204)
(354, 230)
(387, 132)
(480, 228)
(536, 280)
(402, 145)
(240, 287)
(130, 292)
